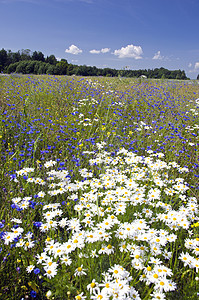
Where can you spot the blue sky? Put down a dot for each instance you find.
(134, 34)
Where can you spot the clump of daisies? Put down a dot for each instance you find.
(116, 233)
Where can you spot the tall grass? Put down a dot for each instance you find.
(108, 167)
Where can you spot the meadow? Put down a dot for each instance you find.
(99, 188)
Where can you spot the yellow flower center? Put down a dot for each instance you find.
(93, 284)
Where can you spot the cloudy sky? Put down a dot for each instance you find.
(134, 34)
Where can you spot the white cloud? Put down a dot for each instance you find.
(105, 50)
(94, 51)
(129, 51)
(158, 56)
(196, 66)
(190, 65)
(73, 50)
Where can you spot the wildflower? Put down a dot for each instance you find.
(44, 227)
(117, 271)
(51, 271)
(49, 215)
(66, 260)
(93, 286)
(17, 231)
(99, 295)
(16, 220)
(8, 237)
(80, 271)
(58, 251)
(107, 284)
(36, 271)
(21, 243)
(186, 258)
(33, 294)
(93, 253)
(196, 250)
(123, 247)
(41, 257)
(164, 285)
(68, 247)
(74, 224)
(41, 194)
(158, 295)
(102, 250)
(88, 222)
(24, 204)
(24, 171)
(49, 163)
(80, 297)
(30, 268)
(29, 244)
(48, 294)
(134, 294)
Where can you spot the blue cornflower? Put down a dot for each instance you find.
(1, 225)
(36, 270)
(37, 224)
(33, 294)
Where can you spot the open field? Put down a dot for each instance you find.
(99, 188)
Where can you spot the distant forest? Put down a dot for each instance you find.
(28, 62)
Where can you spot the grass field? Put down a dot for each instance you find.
(99, 188)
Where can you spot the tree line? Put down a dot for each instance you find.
(28, 62)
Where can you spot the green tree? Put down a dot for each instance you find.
(81, 70)
(3, 59)
(41, 68)
(21, 67)
(38, 56)
(12, 68)
(183, 76)
(70, 70)
(13, 57)
(178, 76)
(36, 66)
(51, 60)
(198, 77)
(30, 67)
(50, 69)
(61, 68)
(25, 54)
